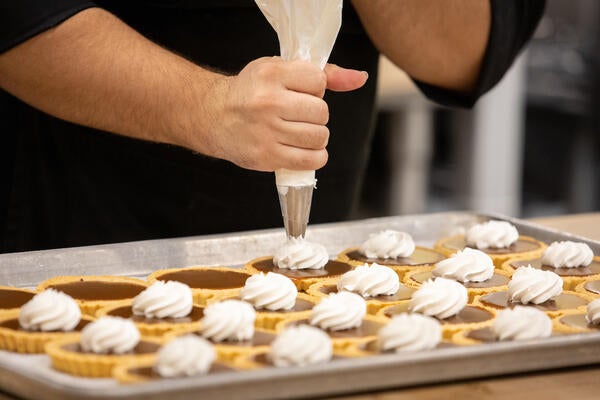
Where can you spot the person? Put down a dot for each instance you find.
(131, 120)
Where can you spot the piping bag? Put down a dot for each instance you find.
(307, 30)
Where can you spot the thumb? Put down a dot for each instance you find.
(343, 80)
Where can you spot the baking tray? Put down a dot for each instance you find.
(30, 376)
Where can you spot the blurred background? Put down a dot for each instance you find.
(531, 147)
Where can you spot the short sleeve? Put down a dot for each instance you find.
(512, 25)
(23, 19)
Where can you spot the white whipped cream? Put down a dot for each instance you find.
(593, 312)
(50, 310)
(410, 332)
(298, 253)
(494, 234)
(301, 345)
(522, 323)
(339, 311)
(388, 244)
(468, 265)
(531, 285)
(170, 299)
(568, 255)
(110, 335)
(370, 281)
(271, 291)
(440, 298)
(185, 356)
(231, 320)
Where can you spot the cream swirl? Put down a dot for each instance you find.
(494, 234)
(531, 285)
(185, 356)
(271, 291)
(231, 320)
(440, 298)
(388, 244)
(468, 265)
(521, 323)
(593, 312)
(50, 310)
(410, 332)
(568, 255)
(298, 253)
(301, 345)
(170, 299)
(370, 281)
(339, 311)
(110, 335)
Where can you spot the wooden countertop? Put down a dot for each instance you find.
(571, 383)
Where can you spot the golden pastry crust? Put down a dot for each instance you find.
(7, 290)
(90, 307)
(157, 329)
(443, 246)
(203, 295)
(580, 288)
(29, 342)
(89, 364)
(123, 374)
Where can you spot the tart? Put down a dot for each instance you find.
(302, 278)
(574, 322)
(143, 371)
(95, 292)
(371, 348)
(566, 301)
(590, 288)
(205, 282)
(12, 298)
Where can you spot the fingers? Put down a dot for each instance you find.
(302, 107)
(298, 159)
(303, 135)
(343, 80)
(302, 76)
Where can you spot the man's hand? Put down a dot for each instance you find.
(272, 115)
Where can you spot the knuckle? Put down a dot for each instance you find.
(323, 112)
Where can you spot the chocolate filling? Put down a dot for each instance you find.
(520, 246)
(593, 268)
(13, 298)
(367, 328)
(419, 257)
(14, 325)
(301, 305)
(404, 293)
(126, 312)
(468, 315)
(207, 278)
(593, 286)
(142, 347)
(373, 347)
(561, 302)
(578, 321)
(99, 290)
(332, 268)
(149, 372)
(260, 338)
(495, 280)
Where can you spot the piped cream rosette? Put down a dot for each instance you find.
(392, 249)
(48, 316)
(499, 239)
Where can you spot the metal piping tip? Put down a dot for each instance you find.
(295, 204)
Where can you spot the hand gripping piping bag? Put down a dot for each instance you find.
(307, 30)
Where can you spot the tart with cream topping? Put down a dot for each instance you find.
(95, 292)
(304, 262)
(393, 249)
(499, 239)
(578, 321)
(49, 315)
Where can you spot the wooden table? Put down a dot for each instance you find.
(571, 383)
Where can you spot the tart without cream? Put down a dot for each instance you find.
(101, 346)
(12, 298)
(305, 263)
(49, 315)
(499, 239)
(95, 292)
(578, 321)
(393, 249)
(574, 262)
(205, 282)
(161, 308)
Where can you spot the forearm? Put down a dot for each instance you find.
(439, 42)
(96, 71)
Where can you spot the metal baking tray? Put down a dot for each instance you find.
(30, 376)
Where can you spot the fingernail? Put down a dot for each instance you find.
(366, 74)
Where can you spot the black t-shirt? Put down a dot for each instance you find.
(62, 184)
